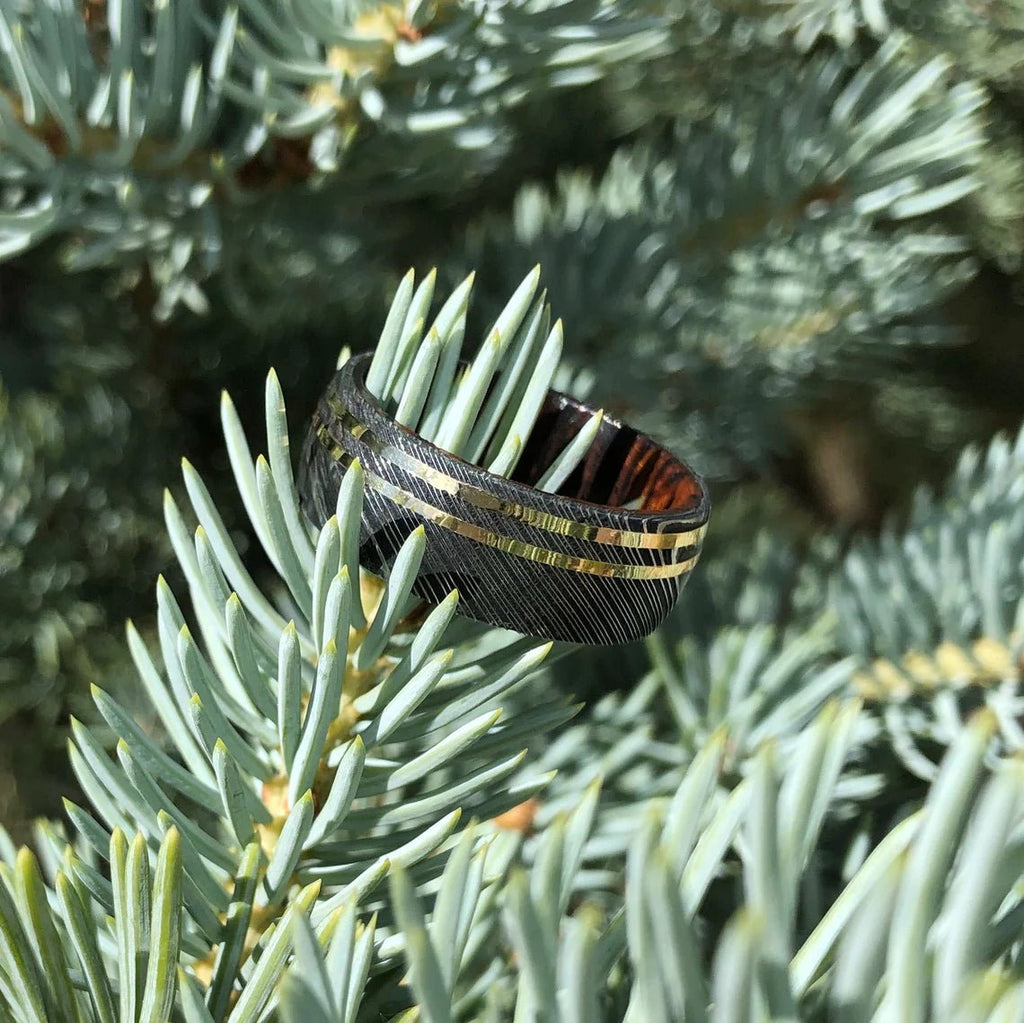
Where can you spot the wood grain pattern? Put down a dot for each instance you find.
(573, 566)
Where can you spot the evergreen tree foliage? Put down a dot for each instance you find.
(296, 794)
(354, 795)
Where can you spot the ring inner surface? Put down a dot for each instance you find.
(622, 467)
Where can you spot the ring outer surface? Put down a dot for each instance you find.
(541, 564)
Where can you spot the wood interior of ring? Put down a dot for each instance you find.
(620, 467)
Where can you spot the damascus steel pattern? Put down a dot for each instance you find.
(576, 566)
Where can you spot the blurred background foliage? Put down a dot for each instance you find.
(786, 236)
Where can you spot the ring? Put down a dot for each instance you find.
(577, 565)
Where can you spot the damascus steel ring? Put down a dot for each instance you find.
(577, 565)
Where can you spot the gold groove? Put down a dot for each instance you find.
(517, 547)
(530, 516)
(503, 543)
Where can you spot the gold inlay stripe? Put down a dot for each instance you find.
(530, 516)
(518, 548)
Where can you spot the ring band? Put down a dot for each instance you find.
(574, 566)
